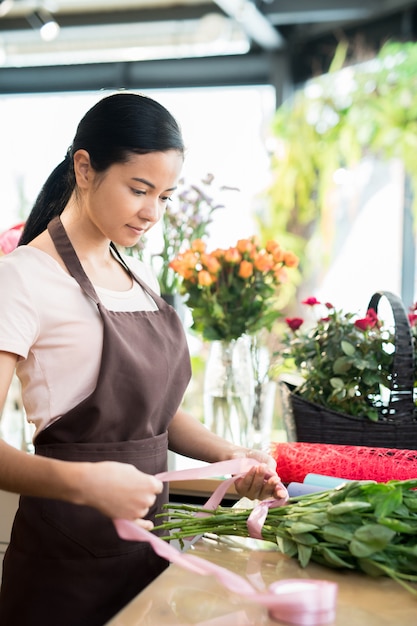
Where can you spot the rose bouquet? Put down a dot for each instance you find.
(345, 360)
(233, 291)
(233, 295)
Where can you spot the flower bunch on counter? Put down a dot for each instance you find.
(233, 291)
(345, 360)
(364, 526)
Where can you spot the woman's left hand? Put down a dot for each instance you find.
(261, 481)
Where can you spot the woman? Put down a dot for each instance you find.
(103, 363)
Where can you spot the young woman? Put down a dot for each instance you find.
(103, 364)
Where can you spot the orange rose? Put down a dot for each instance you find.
(232, 255)
(290, 259)
(218, 253)
(244, 245)
(263, 262)
(255, 241)
(205, 279)
(184, 263)
(210, 263)
(275, 250)
(245, 269)
(179, 266)
(198, 245)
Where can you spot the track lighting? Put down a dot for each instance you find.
(46, 23)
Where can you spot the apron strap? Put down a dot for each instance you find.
(66, 251)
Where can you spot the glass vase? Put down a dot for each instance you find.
(264, 396)
(262, 416)
(229, 390)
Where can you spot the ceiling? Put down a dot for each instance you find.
(175, 43)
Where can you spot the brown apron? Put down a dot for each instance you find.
(66, 565)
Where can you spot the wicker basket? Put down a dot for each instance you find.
(397, 424)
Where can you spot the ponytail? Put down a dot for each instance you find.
(51, 200)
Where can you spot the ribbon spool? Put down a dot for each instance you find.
(303, 602)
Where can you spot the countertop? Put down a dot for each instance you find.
(179, 597)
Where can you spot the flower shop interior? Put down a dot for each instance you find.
(289, 253)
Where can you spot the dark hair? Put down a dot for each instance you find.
(113, 129)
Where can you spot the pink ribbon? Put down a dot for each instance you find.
(238, 467)
(259, 513)
(299, 602)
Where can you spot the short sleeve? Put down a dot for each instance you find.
(19, 322)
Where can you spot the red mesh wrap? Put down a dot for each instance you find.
(296, 460)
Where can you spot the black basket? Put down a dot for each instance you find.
(397, 424)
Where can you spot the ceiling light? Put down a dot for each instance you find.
(5, 6)
(46, 23)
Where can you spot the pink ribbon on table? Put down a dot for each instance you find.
(299, 602)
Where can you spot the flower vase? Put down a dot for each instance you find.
(264, 396)
(263, 413)
(229, 390)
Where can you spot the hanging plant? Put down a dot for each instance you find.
(334, 122)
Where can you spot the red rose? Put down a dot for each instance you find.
(412, 318)
(294, 322)
(371, 314)
(365, 323)
(311, 301)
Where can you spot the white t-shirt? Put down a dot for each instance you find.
(56, 330)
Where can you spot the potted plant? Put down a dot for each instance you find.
(344, 360)
(356, 376)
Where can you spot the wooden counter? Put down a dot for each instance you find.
(179, 597)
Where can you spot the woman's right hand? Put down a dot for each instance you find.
(119, 490)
